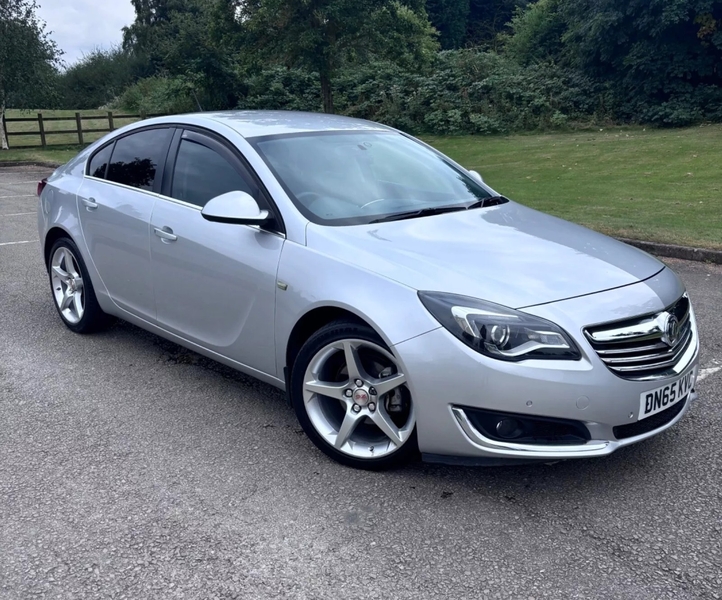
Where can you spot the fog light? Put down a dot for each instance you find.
(508, 429)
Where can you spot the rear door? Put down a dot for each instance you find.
(115, 204)
(215, 283)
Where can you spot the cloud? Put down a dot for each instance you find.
(80, 26)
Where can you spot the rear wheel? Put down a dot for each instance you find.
(72, 289)
(351, 398)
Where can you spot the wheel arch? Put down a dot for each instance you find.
(52, 236)
(314, 320)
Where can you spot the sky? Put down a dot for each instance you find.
(80, 26)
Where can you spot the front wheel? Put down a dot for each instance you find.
(352, 399)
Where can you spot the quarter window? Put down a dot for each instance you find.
(201, 174)
(99, 163)
(136, 158)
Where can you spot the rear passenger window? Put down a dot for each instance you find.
(136, 158)
(99, 163)
(201, 174)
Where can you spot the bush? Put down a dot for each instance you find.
(97, 79)
(464, 91)
(279, 88)
(469, 91)
(158, 95)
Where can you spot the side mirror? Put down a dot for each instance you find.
(234, 207)
(476, 176)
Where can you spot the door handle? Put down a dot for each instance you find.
(165, 234)
(90, 203)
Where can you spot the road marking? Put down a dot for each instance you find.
(19, 196)
(16, 243)
(704, 373)
(18, 214)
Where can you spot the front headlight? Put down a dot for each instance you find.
(498, 331)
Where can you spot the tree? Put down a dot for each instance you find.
(324, 35)
(536, 33)
(489, 18)
(28, 57)
(96, 79)
(186, 40)
(450, 17)
(661, 57)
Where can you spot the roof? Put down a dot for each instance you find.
(253, 123)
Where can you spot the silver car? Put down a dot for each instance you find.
(404, 305)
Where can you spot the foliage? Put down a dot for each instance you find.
(96, 79)
(515, 64)
(326, 35)
(450, 17)
(159, 95)
(661, 57)
(488, 19)
(536, 33)
(463, 91)
(181, 38)
(28, 57)
(279, 88)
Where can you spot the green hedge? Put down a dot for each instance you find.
(464, 91)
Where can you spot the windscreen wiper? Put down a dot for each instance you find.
(490, 201)
(423, 212)
(438, 210)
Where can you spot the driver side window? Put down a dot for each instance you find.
(202, 173)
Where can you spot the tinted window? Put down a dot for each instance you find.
(100, 162)
(201, 174)
(136, 158)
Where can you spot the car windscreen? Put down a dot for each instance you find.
(349, 178)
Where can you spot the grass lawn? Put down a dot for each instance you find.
(659, 185)
(59, 155)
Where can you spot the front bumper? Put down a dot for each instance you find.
(444, 376)
(556, 452)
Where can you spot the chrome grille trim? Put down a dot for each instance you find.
(639, 349)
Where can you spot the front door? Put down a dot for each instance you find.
(115, 203)
(215, 283)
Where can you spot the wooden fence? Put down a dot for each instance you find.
(76, 131)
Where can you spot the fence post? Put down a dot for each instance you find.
(111, 124)
(41, 127)
(4, 128)
(79, 121)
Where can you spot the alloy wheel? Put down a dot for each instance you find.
(356, 398)
(68, 288)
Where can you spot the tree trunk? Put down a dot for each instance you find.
(326, 93)
(3, 137)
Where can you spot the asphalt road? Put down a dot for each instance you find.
(131, 468)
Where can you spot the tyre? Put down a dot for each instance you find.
(72, 289)
(351, 398)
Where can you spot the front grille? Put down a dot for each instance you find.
(641, 348)
(650, 423)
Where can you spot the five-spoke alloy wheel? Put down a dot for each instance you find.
(352, 398)
(72, 289)
(67, 285)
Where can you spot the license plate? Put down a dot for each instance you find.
(654, 401)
